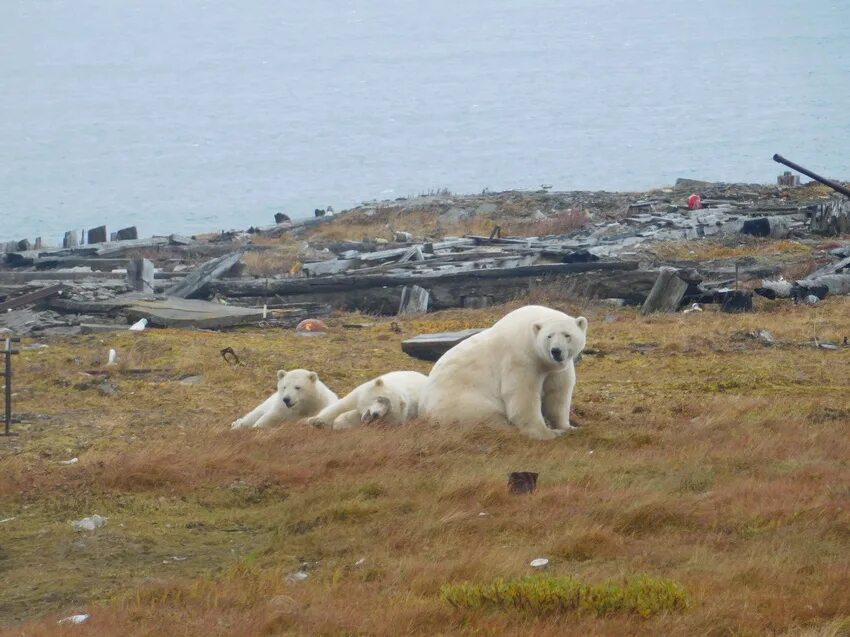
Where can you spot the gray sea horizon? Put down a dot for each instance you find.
(202, 115)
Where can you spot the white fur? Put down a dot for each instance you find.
(508, 375)
(307, 395)
(392, 398)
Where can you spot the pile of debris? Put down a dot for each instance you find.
(191, 282)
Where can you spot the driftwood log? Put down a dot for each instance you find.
(381, 293)
(666, 294)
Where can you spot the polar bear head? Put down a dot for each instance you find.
(298, 385)
(384, 404)
(560, 340)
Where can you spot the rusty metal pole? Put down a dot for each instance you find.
(826, 182)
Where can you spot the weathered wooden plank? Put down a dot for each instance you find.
(322, 268)
(58, 275)
(194, 283)
(414, 300)
(178, 312)
(140, 275)
(666, 294)
(344, 283)
(96, 235)
(71, 239)
(31, 297)
(832, 218)
(835, 283)
(430, 347)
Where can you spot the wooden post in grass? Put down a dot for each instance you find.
(7, 374)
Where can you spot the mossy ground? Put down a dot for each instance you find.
(718, 463)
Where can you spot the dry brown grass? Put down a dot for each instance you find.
(270, 263)
(717, 463)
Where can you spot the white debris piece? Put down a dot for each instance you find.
(298, 576)
(113, 356)
(75, 619)
(540, 562)
(139, 325)
(695, 307)
(71, 461)
(89, 524)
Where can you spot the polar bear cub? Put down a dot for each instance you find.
(299, 394)
(518, 372)
(392, 398)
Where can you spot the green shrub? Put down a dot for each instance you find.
(545, 595)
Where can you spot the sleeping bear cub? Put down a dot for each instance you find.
(518, 372)
(392, 399)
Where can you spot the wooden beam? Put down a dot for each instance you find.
(211, 270)
(344, 283)
(430, 347)
(666, 294)
(32, 297)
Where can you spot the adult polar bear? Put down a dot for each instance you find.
(299, 394)
(392, 398)
(520, 372)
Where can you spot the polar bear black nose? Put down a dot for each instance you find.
(287, 401)
(557, 354)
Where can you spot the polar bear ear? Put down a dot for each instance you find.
(537, 327)
(313, 377)
(379, 382)
(582, 324)
(281, 373)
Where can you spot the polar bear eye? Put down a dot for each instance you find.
(568, 337)
(297, 387)
(550, 336)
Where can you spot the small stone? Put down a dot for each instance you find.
(540, 562)
(89, 524)
(191, 380)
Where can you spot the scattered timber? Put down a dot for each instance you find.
(381, 293)
(208, 272)
(32, 297)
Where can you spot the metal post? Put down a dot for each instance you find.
(7, 373)
(8, 378)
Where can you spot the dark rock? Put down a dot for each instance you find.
(279, 217)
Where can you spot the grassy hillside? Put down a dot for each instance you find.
(706, 493)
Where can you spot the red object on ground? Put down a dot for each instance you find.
(694, 202)
(311, 325)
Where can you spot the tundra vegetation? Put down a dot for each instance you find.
(707, 491)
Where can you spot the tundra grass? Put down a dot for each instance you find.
(705, 460)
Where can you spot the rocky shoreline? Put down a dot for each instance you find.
(426, 253)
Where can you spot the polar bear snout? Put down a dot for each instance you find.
(288, 401)
(557, 354)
